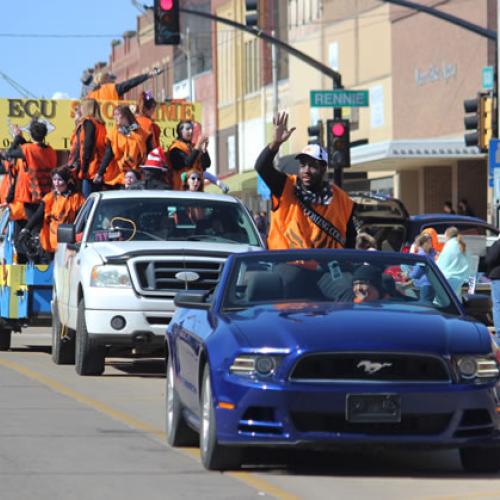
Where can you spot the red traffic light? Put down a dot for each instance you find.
(338, 129)
(166, 4)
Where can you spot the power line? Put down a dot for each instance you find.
(17, 86)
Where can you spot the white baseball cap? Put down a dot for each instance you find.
(314, 151)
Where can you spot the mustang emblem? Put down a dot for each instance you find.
(371, 367)
(188, 276)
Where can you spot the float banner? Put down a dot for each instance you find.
(59, 115)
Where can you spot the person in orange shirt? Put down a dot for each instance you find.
(60, 206)
(127, 147)
(307, 211)
(183, 155)
(146, 107)
(90, 144)
(104, 88)
(37, 160)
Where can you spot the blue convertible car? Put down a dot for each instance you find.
(324, 348)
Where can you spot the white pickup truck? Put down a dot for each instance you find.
(119, 266)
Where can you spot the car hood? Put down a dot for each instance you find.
(123, 250)
(349, 327)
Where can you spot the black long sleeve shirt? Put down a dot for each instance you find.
(88, 146)
(275, 181)
(15, 151)
(181, 160)
(123, 87)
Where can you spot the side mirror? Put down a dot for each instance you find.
(192, 300)
(478, 306)
(66, 233)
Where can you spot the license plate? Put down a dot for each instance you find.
(373, 408)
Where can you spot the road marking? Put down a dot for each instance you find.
(246, 477)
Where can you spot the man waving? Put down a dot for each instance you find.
(307, 211)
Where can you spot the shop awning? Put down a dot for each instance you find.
(402, 154)
(245, 181)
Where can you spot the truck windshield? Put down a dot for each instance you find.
(163, 219)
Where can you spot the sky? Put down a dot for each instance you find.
(45, 66)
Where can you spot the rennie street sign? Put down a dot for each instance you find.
(339, 98)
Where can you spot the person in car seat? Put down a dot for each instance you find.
(367, 284)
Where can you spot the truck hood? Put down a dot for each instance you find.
(325, 327)
(123, 250)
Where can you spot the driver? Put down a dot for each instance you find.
(367, 284)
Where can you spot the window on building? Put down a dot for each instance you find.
(302, 12)
(252, 66)
(225, 68)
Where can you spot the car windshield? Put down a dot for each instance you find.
(166, 219)
(362, 279)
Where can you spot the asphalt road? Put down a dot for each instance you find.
(68, 437)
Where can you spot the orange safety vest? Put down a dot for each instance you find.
(99, 147)
(176, 173)
(129, 153)
(105, 92)
(59, 209)
(33, 179)
(292, 228)
(150, 127)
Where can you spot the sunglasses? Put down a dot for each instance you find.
(195, 178)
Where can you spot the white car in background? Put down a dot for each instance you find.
(119, 266)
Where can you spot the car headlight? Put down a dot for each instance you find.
(477, 368)
(110, 276)
(255, 365)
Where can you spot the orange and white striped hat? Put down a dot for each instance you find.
(156, 159)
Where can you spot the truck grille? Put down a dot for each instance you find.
(165, 277)
(370, 367)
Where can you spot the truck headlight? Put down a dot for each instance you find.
(255, 365)
(110, 276)
(477, 368)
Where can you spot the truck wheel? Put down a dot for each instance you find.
(480, 459)
(89, 358)
(178, 432)
(63, 350)
(5, 335)
(213, 455)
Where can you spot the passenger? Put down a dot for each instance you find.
(60, 206)
(367, 284)
(194, 181)
(453, 260)
(146, 107)
(90, 144)
(418, 275)
(364, 241)
(307, 211)
(154, 171)
(131, 179)
(183, 155)
(104, 88)
(38, 160)
(126, 149)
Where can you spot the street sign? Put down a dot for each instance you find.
(488, 77)
(339, 98)
(262, 189)
(493, 156)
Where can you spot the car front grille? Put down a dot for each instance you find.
(411, 424)
(332, 367)
(166, 276)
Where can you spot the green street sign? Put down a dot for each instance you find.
(339, 98)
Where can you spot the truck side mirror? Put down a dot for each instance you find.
(66, 233)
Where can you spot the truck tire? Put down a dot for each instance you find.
(5, 335)
(63, 350)
(89, 358)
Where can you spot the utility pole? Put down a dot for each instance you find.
(274, 58)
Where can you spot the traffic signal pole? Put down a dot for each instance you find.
(276, 42)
